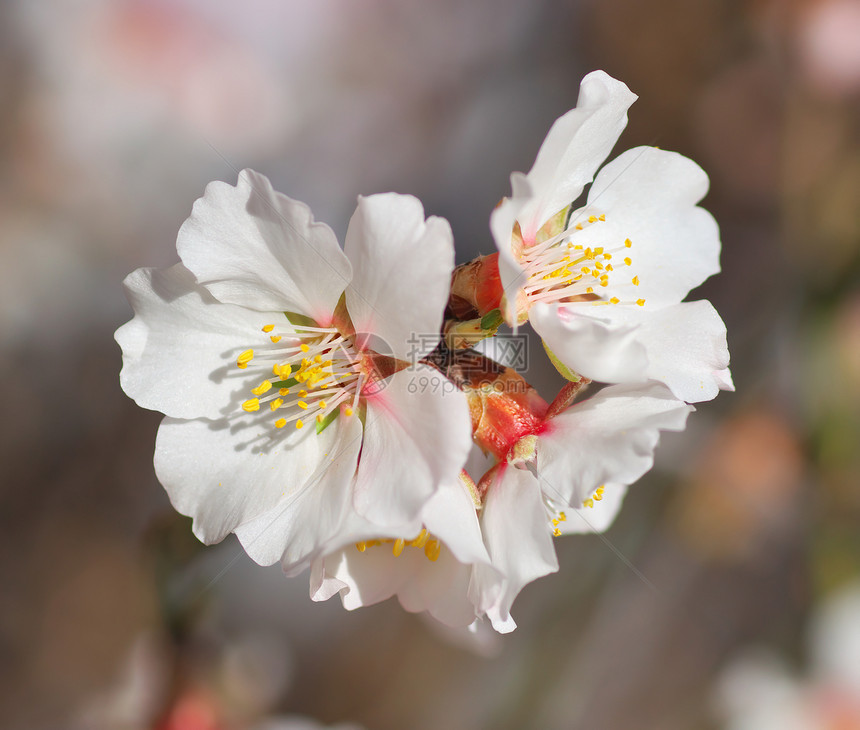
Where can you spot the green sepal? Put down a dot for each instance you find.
(300, 320)
(326, 422)
(492, 320)
(563, 370)
(285, 383)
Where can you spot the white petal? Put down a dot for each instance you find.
(574, 148)
(417, 437)
(365, 578)
(517, 534)
(310, 519)
(610, 437)
(685, 346)
(590, 343)
(225, 473)
(502, 221)
(650, 197)
(450, 515)
(583, 520)
(402, 268)
(252, 246)
(179, 351)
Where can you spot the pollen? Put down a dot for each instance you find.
(628, 260)
(361, 546)
(243, 359)
(614, 300)
(299, 423)
(640, 302)
(301, 404)
(627, 243)
(635, 280)
(601, 217)
(275, 338)
(262, 387)
(398, 546)
(275, 404)
(268, 328)
(251, 405)
(280, 423)
(322, 405)
(304, 348)
(432, 550)
(283, 391)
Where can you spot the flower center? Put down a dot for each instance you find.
(560, 270)
(432, 547)
(316, 373)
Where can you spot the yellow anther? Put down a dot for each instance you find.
(432, 550)
(398, 546)
(628, 260)
(585, 270)
(607, 256)
(319, 418)
(604, 280)
(556, 532)
(601, 217)
(301, 404)
(614, 300)
(268, 328)
(280, 423)
(251, 405)
(640, 302)
(275, 338)
(361, 546)
(555, 523)
(578, 247)
(421, 540)
(304, 348)
(635, 280)
(578, 226)
(302, 393)
(598, 265)
(598, 496)
(283, 391)
(562, 517)
(598, 250)
(317, 358)
(241, 365)
(322, 405)
(628, 243)
(347, 411)
(245, 358)
(590, 290)
(588, 503)
(588, 253)
(609, 267)
(277, 403)
(262, 387)
(592, 218)
(299, 423)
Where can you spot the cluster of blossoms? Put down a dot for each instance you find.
(288, 367)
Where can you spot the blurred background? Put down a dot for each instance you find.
(114, 114)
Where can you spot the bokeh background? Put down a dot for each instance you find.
(114, 114)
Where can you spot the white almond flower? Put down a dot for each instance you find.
(271, 352)
(603, 285)
(567, 476)
(427, 565)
